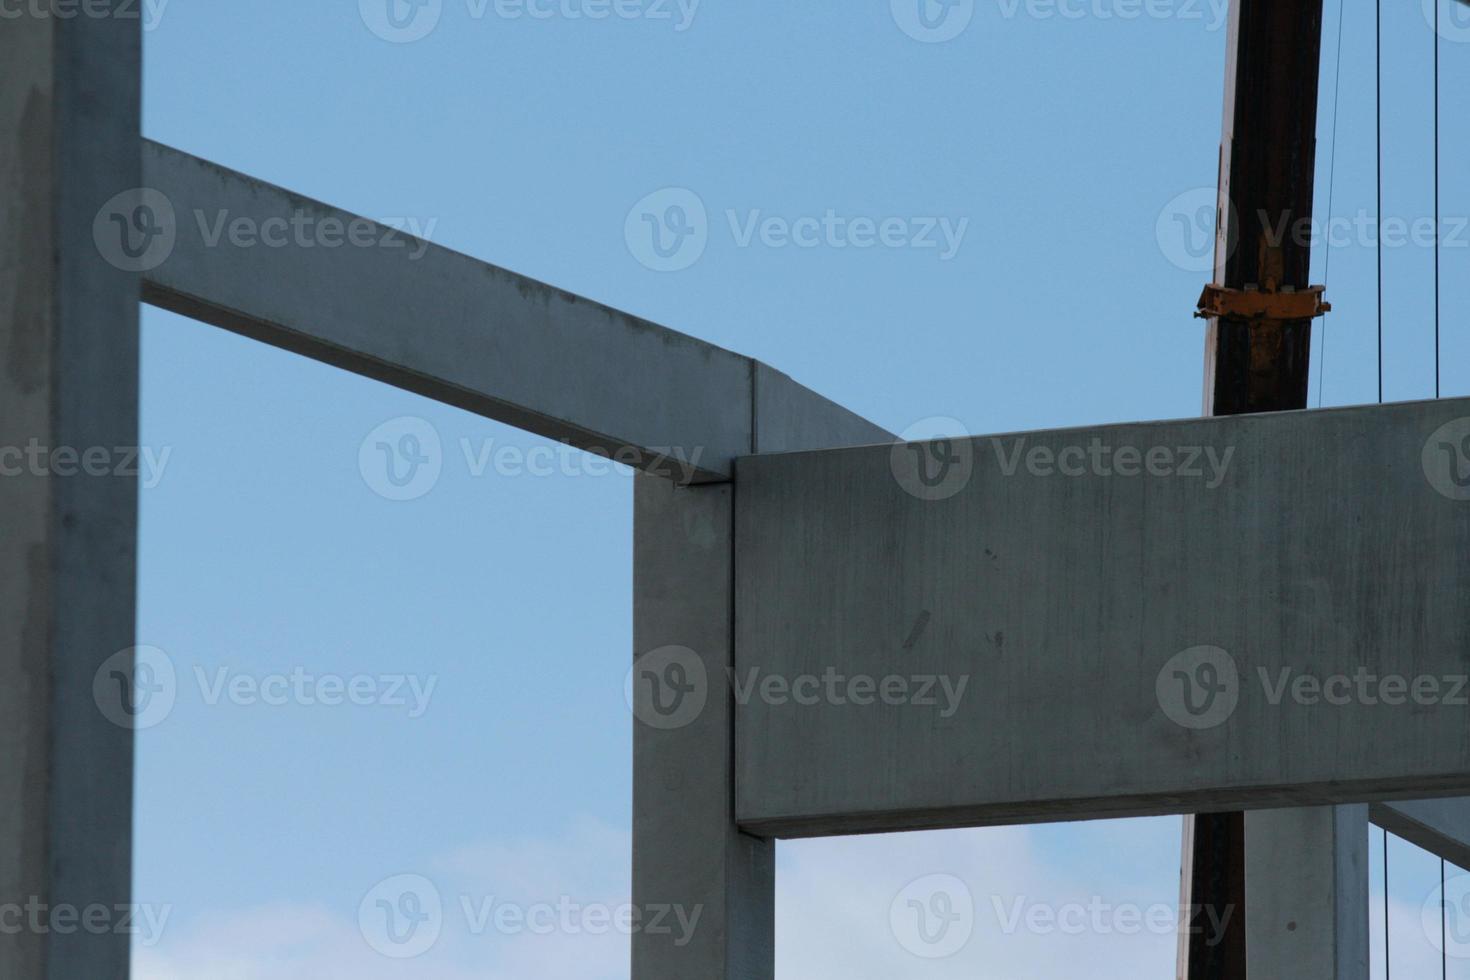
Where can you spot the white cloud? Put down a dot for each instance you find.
(833, 923)
(1415, 952)
(547, 882)
(276, 942)
(835, 899)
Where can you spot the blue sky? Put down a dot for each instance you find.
(1069, 143)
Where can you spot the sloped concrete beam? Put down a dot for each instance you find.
(1441, 827)
(309, 278)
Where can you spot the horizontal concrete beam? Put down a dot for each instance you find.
(322, 282)
(1246, 612)
(1441, 827)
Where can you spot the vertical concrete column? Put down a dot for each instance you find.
(690, 863)
(689, 859)
(69, 145)
(1307, 893)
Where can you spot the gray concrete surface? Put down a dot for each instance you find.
(688, 853)
(690, 862)
(789, 417)
(69, 112)
(447, 326)
(1059, 599)
(1075, 608)
(1306, 886)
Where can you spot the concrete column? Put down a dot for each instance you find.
(1307, 893)
(689, 859)
(69, 117)
(690, 863)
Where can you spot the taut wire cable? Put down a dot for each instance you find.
(1331, 187)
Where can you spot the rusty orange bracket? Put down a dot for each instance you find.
(1263, 304)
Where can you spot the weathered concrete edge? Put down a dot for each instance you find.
(676, 399)
(791, 418)
(1243, 421)
(1440, 826)
(1389, 798)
